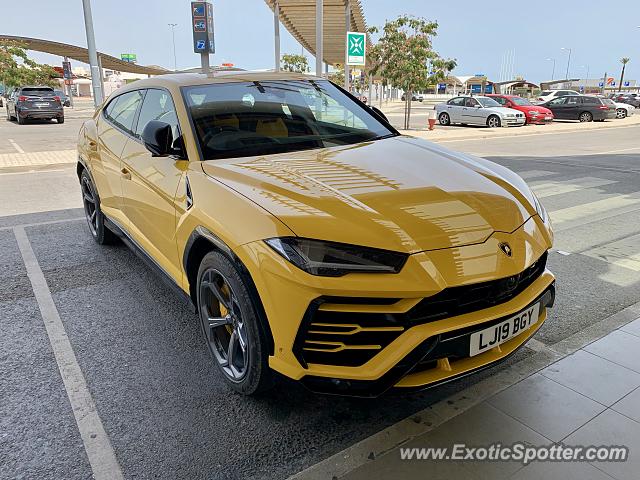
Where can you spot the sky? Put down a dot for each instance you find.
(477, 38)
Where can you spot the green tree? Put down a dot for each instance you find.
(337, 76)
(404, 57)
(295, 63)
(17, 69)
(623, 61)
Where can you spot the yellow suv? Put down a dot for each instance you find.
(312, 238)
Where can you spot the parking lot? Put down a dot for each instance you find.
(164, 410)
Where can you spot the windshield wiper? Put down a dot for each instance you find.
(382, 137)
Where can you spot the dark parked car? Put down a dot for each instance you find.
(628, 98)
(582, 107)
(34, 102)
(63, 98)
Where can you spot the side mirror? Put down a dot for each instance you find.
(378, 112)
(158, 138)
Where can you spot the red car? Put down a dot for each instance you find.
(533, 113)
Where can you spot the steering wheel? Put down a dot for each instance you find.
(217, 130)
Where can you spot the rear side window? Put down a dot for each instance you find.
(591, 101)
(573, 100)
(122, 110)
(158, 105)
(458, 102)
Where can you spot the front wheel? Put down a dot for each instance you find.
(586, 117)
(231, 326)
(621, 113)
(444, 119)
(95, 218)
(493, 121)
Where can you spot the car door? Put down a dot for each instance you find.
(149, 186)
(557, 106)
(472, 112)
(454, 109)
(114, 126)
(572, 107)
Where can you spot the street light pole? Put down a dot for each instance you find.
(173, 37)
(319, 44)
(568, 61)
(347, 24)
(276, 35)
(96, 74)
(587, 79)
(553, 70)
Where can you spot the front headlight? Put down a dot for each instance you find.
(511, 115)
(331, 259)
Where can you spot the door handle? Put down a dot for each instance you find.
(93, 145)
(126, 174)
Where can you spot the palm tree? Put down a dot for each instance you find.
(624, 62)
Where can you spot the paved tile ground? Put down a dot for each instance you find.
(591, 397)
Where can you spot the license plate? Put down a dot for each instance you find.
(42, 104)
(548, 118)
(493, 336)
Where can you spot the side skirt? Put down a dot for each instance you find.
(149, 261)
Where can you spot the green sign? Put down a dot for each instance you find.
(356, 48)
(129, 57)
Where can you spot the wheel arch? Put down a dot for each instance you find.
(202, 241)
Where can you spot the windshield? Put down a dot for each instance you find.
(487, 102)
(520, 101)
(545, 93)
(239, 119)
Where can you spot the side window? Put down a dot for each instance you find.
(123, 112)
(557, 101)
(471, 102)
(500, 100)
(158, 105)
(573, 100)
(591, 101)
(458, 101)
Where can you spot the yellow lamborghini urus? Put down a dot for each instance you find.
(311, 237)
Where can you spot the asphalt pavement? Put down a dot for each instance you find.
(164, 408)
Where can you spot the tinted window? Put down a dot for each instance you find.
(544, 93)
(37, 90)
(258, 118)
(573, 100)
(458, 101)
(122, 110)
(591, 101)
(158, 105)
(557, 101)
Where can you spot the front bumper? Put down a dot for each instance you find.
(513, 121)
(396, 342)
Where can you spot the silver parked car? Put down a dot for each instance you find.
(478, 110)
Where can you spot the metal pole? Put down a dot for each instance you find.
(553, 71)
(319, 25)
(96, 74)
(347, 23)
(568, 62)
(173, 36)
(604, 82)
(370, 90)
(101, 72)
(204, 62)
(276, 32)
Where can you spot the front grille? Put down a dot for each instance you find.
(352, 338)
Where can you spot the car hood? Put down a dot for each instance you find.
(400, 193)
(502, 110)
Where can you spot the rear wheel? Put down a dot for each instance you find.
(60, 119)
(444, 119)
(493, 121)
(621, 113)
(95, 219)
(586, 117)
(230, 326)
(20, 118)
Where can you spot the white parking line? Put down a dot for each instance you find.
(16, 146)
(96, 442)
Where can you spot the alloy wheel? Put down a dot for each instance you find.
(620, 113)
(493, 122)
(585, 117)
(444, 119)
(223, 324)
(90, 207)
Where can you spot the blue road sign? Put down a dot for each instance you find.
(601, 84)
(200, 44)
(613, 84)
(626, 84)
(198, 10)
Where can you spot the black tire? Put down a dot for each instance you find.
(621, 113)
(21, 120)
(220, 280)
(95, 218)
(494, 121)
(444, 119)
(585, 117)
(60, 119)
